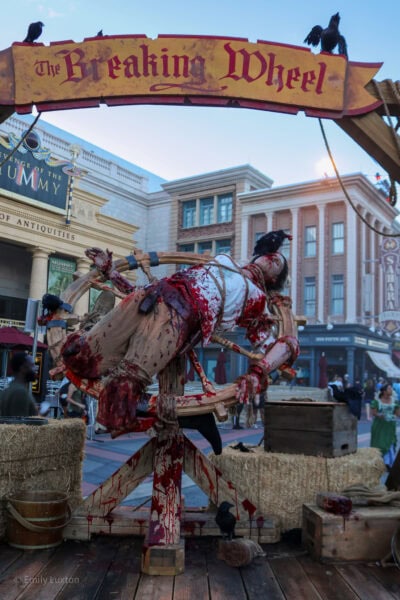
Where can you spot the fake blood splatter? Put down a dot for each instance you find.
(78, 356)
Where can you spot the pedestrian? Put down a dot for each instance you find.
(336, 383)
(369, 395)
(236, 416)
(256, 405)
(383, 431)
(76, 407)
(17, 399)
(396, 389)
(379, 384)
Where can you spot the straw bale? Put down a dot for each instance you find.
(41, 457)
(279, 484)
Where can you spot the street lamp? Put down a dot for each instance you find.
(75, 151)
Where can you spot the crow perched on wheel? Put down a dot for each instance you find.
(329, 37)
(34, 32)
(270, 242)
(225, 520)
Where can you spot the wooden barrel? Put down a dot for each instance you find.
(36, 519)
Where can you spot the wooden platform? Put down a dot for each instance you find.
(109, 567)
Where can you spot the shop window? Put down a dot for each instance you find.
(61, 272)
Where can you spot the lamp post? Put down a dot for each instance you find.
(75, 151)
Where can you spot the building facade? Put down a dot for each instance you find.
(337, 277)
(60, 195)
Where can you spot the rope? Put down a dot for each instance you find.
(13, 151)
(345, 191)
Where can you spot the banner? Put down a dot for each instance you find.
(61, 271)
(197, 70)
(32, 172)
(390, 260)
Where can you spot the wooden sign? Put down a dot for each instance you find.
(199, 70)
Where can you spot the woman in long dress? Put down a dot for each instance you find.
(385, 410)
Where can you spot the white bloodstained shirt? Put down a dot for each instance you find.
(226, 299)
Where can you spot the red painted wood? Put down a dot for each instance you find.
(166, 503)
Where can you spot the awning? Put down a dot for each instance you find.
(384, 363)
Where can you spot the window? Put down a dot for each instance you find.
(309, 296)
(204, 247)
(337, 298)
(207, 211)
(223, 247)
(285, 248)
(337, 238)
(224, 208)
(189, 214)
(310, 248)
(186, 248)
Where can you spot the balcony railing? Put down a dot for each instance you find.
(4, 322)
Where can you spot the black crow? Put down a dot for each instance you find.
(240, 446)
(226, 520)
(34, 31)
(270, 242)
(51, 302)
(329, 37)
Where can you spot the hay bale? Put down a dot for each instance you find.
(279, 484)
(45, 457)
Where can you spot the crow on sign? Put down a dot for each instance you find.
(34, 31)
(329, 37)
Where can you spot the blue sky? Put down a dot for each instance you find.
(176, 142)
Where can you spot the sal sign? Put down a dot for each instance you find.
(209, 71)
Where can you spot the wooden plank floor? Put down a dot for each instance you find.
(109, 568)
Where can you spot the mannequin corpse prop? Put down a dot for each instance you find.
(153, 325)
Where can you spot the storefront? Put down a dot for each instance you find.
(46, 222)
(349, 349)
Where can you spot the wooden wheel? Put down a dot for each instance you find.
(210, 400)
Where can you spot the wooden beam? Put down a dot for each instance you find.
(195, 523)
(388, 91)
(5, 112)
(116, 488)
(371, 133)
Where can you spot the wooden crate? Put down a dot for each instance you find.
(365, 535)
(313, 428)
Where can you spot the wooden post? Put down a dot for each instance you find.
(163, 550)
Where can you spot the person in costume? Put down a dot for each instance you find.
(385, 411)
